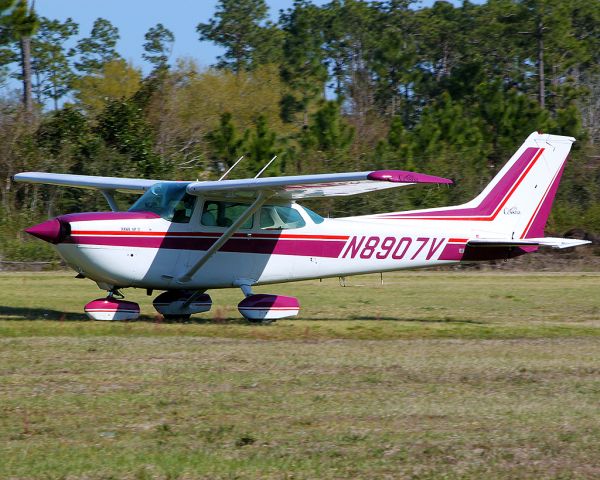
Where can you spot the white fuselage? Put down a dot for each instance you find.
(155, 253)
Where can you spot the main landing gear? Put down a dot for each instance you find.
(179, 305)
(264, 308)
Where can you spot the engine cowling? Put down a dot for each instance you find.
(112, 309)
(264, 306)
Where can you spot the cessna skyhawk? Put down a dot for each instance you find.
(185, 238)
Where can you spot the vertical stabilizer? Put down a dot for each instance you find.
(517, 202)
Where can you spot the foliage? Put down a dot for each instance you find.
(114, 80)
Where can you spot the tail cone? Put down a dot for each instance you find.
(53, 231)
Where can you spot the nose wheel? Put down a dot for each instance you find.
(112, 309)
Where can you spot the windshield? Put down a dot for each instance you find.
(169, 200)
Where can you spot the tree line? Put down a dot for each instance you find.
(450, 90)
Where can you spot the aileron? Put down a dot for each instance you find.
(127, 185)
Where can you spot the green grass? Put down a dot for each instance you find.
(408, 305)
(432, 375)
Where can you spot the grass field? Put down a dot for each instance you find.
(432, 375)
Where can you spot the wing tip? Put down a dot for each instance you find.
(403, 176)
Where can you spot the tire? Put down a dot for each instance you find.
(260, 322)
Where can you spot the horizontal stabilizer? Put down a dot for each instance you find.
(553, 242)
(556, 242)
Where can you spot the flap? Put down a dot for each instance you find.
(315, 186)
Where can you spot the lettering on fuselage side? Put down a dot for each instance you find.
(434, 248)
(398, 248)
(353, 247)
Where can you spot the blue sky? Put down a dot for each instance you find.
(133, 18)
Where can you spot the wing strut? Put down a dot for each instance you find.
(262, 197)
(112, 203)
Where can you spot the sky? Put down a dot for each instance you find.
(133, 18)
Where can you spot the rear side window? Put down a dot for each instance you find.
(223, 214)
(278, 217)
(315, 217)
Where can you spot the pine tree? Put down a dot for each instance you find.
(261, 145)
(7, 55)
(24, 23)
(158, 46)
(226, 145)
(97, 49)
(239, 26)
(304, 67)
(51, 68)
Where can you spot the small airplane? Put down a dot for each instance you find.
(184, 238)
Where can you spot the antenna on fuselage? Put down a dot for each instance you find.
(230, 168)
(266, 166)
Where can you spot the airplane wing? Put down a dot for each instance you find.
(553, 242)
(315, 186)
(290, 188)
(126, 185)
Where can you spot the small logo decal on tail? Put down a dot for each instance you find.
(512, 211)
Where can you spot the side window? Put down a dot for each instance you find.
(278, 217)
(182, 209)
(223, 214)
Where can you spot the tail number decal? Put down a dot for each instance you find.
(392, 247)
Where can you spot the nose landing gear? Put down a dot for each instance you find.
(112, 309)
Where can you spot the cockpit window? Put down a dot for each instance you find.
(279, 217)
(223, 214)
(169, 200)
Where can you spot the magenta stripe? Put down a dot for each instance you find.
(313, 248)
(536, 229)
(452, 252)
(489, 204)
(86, 217)
(267, 301)
(108, 304)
